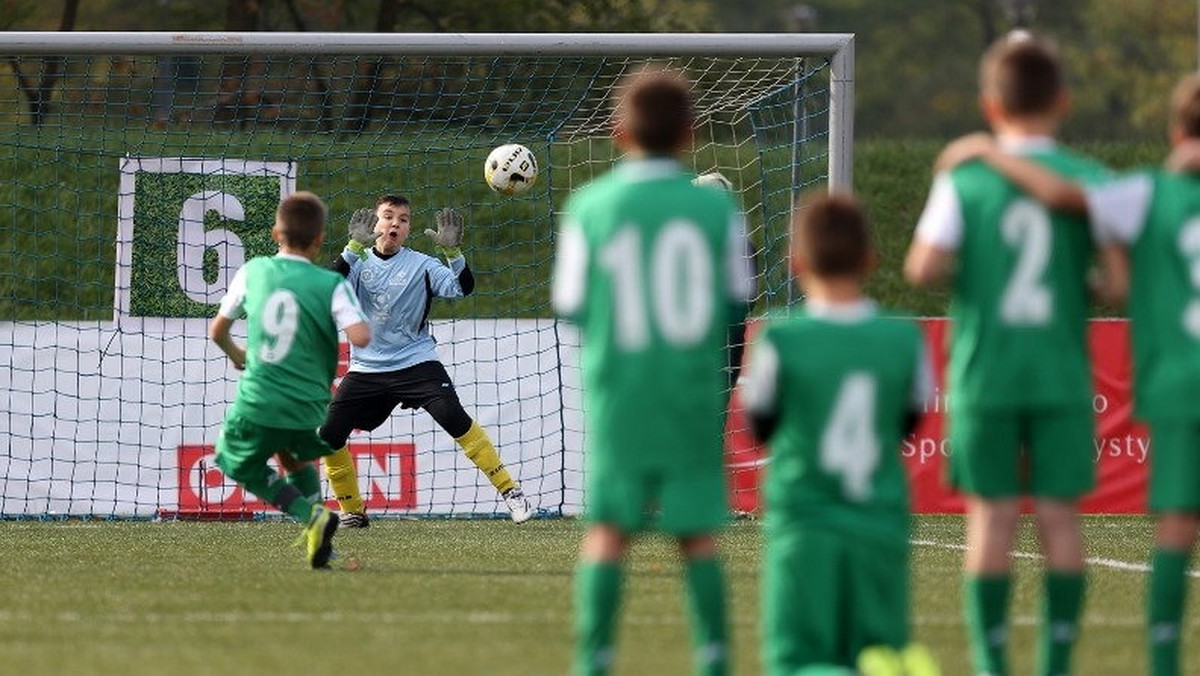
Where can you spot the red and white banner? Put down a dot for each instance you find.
(389, 470)
(1121, 446)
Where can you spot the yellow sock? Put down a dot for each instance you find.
(339, 466)
(479, 450)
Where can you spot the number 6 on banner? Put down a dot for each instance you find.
(194, 240)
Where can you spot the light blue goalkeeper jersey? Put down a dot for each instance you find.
(396, 293)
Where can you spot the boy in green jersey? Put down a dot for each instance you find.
(1020, 419)
(653, 271)
(293, 312)
(833, 392)
(1150, 220)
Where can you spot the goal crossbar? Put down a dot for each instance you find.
(838, 47)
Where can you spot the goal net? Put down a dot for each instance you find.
(141, 170)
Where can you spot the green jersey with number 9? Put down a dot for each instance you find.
(293, 312)
(1019, 311)
(1157, 215)
(842, 381)
(653, 270)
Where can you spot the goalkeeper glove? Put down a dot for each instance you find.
(449, 234)
(362, 232)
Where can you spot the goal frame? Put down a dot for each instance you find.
(838, 47)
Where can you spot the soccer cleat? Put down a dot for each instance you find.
(918, 661)
(354, 520)
(317, 536)
(880, 660)
(519, 509)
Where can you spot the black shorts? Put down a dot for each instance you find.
(364, 401)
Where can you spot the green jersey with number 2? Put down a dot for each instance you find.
(291, 343)
(1020, 304)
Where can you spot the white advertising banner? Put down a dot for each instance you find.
(106, 419)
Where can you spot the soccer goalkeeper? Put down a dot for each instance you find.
(396, 286)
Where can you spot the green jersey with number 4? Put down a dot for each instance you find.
(1020, 305)
(651, 269)
(291, 342)
(842, 388)
(1164, 304)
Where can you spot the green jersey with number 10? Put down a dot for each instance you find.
(291, 339)
(1019, 312)
(652, 269)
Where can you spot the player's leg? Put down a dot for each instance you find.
(616, 503)
(598, 581)
(429, 386)
(705, 584)
(1061, 453)
(362, 401)
(985, 466)
(303, 475)
(242, 452)
(243, 449)
(803, 614)
(693, 506)
(876, 575)
(1175, 497)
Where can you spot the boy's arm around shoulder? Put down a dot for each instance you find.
(1046, 186)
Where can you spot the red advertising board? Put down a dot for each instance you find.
(1121, 446)
(205, 492)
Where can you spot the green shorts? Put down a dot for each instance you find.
(1174, 465)
(1007, 453)
(244, 448)
(828, 595)
(679, 503)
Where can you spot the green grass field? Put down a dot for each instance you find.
(458, 598)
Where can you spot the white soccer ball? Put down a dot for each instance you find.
(510, 169)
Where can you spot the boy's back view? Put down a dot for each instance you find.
(293, 313)
(1150, 218)
(1019, 382)
(653, 271)
(834, 391)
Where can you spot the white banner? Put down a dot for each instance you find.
(104, 419)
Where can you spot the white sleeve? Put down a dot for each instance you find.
(760, 380)
(922, 393)
(235, 295)
(345, 308)
(1118, 208)
(739, 266)
(570, 270)
(941, 223)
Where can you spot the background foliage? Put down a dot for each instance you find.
(1122, 55)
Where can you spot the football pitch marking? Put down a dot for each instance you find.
(1099, 561)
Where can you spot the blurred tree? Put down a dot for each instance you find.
(38, 88)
